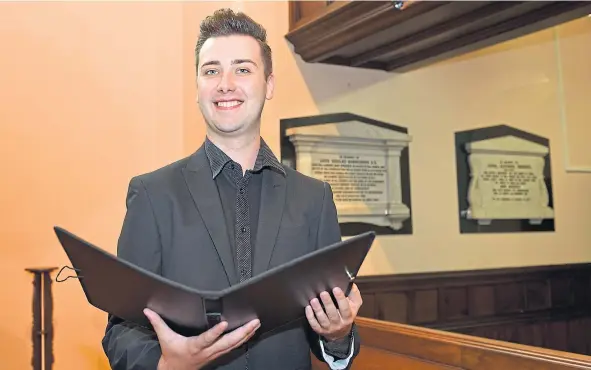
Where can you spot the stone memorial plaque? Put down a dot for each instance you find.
(353, 178)
(361, 162)
(507, 180)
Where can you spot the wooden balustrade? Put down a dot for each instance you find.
(542, 306)
(387, 345)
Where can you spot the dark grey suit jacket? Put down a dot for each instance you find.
(175, 227)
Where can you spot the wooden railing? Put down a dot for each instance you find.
(387, 345)
(542, 306)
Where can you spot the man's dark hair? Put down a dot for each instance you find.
(225, 22)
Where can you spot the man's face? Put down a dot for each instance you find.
(231, 84)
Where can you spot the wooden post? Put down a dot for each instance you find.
(42, 330)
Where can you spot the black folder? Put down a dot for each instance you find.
(277, 297)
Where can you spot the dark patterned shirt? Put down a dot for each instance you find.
(240, 196)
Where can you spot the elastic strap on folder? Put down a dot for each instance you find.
(213, 318)
(213, 312)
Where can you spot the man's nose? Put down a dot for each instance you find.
(226, 82)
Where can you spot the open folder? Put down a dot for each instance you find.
(277, 297)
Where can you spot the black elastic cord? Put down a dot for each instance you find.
(70, 276)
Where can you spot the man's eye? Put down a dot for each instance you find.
(243, 70)
(210, 72)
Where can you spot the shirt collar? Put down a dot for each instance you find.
(265, 158)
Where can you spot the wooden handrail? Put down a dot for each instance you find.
(387, 345)
(411, 340)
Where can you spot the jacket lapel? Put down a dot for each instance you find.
(272, 203)
(204, 192)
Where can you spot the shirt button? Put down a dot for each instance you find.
(241, 190)
(232, 166)
(243, 229)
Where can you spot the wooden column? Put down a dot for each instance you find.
(42, 329)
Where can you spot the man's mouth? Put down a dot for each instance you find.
(230, 104)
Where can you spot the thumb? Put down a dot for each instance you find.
(355, 295)
(162, 330)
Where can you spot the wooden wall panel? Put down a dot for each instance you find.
(393, 307)
(424, 308)
(481, 300)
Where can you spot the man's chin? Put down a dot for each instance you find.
(228, 129)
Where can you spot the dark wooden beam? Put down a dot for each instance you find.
(544, 17)
(382, 35)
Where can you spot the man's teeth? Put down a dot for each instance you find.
(228, 104)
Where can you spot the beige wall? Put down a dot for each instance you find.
(90, 94)
(94, 93)
(519, 84)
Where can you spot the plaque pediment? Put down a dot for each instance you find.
(507, 145)
(349, 129)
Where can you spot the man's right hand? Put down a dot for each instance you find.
(180, 352)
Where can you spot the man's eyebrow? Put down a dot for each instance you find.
(235, 61)
(211, 63)
(240, 61)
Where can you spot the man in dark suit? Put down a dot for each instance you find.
(226, 213)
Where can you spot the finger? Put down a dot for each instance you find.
(312, 320)
(343, 302)
(319, 313)
(331, 310)
(244, 340)
(233, 339)
(208, 337)
(162, 330)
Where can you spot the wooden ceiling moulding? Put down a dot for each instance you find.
(405, 35)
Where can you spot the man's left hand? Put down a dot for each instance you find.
(334, 323)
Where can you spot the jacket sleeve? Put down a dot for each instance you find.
(329, 232)
(127, 345)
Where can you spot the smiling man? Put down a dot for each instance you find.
(226, 213)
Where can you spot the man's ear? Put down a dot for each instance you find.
(270, 86)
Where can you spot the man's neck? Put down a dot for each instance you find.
(243, 150)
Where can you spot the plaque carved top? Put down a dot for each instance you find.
(507, 145)
(349, 129)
